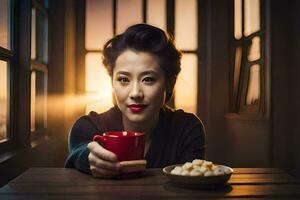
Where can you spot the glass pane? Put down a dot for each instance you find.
(186, 89)
(186, 19)
(252, 17)
(41, 36)
(4, 99)
(237, 69)
(41, 99)
(254, 51)
(33, 33)
(5, 24)
(253, 90)
(32, 101)
(156, 13)
(98, 84)
(128, 12)
(45, 3)
(237, 19)
(38, 100)
(45, 46)
(99, 23)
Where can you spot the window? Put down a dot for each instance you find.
(248, 64)
(6, 60)
(106, 18)
(14, 68)
(39, 60)
(187, 42)
(17, 71)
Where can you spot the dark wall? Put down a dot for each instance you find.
(286, 84)
(296, 87)
(213, 76)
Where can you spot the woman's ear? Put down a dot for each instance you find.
(170, 87)
(113, 94)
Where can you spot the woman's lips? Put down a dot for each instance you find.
(136, 108)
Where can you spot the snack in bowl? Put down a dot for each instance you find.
(200, 168)
(198, 174)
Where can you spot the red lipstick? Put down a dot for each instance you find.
(136, 107)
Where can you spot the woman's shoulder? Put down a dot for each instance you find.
(180, 115)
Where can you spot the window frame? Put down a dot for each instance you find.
(8, 56)
(19, 79)
(238, 104)
(38, 64)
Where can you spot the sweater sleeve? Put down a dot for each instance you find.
(193, 141)
(80, 135)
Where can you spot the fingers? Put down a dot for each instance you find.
(103, 163)
(100, 163)
(102, 153)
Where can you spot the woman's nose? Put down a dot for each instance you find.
(136, 91)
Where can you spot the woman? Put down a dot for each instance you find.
(143, 64)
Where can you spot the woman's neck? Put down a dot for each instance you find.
(145, 126)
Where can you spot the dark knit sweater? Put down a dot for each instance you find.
(178, 137)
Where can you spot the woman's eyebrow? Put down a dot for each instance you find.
(149, 72)
(123, 73)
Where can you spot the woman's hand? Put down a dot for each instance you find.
(103, 163)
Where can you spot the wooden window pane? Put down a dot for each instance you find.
(156, 13)
(238, 19)
(186, 32)
(99, 23)
(98, 84)
(186, 89)
(41, 99)
(38, 100)
(252, 16)
(33, 33)
(237, 69)
(32, 101)
(254, 51)
(4, 100)
(41, 36)
(5, 29)
(129, 12)
(253, 90)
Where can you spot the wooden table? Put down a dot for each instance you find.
(60, 183)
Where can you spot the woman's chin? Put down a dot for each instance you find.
(137, 117)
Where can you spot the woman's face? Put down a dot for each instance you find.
(139, 85)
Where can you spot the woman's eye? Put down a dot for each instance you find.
(123, 80)
(149, 80)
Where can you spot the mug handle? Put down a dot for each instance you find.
(99, 138)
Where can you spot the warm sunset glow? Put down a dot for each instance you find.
(237, 19)
(33, 101)
(4, 24)
(128, 13)
(252, 16)
(186, 86)
(186, 24)
(98, 12)
(3, 99)
(254, 52)
(237, 68)
(33, 33)
(156, 13)
(98, 84)
(253, 92)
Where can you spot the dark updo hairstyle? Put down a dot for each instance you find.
(146, 38)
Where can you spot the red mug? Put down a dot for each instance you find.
(126, 145)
